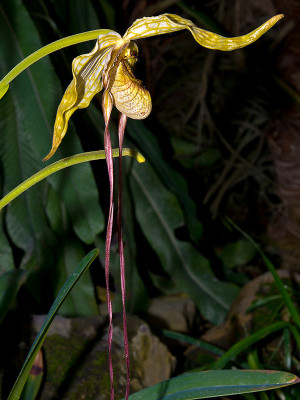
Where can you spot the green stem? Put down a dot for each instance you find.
(61, 164)
(50, 48)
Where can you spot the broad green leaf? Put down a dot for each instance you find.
(82, 16)
(185, 150)
(26, 130)
(110, 13)
(78, 192)
(25, 220)
(207, 384)
(6, 256)
(159, 214)
(78, 272)
(237, 254)
(163, 284)
(10, 283)
(54, 210)
(77, 16)
(172, 179)
(81, 301)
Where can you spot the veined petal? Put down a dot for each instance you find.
(129, 95)
(166, 23)
(87, 81)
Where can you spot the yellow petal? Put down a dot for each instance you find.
(166, 23)
(87, 81)
(129, 95)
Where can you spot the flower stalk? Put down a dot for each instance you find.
(46, 50)
(61, 164)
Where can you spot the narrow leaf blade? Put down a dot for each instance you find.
(65, 290)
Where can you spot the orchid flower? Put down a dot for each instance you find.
(109, 66)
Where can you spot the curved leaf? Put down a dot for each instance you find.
(159, 214)
(27, 114)
(206, 384)
(171, 178)
(81, 268)
(61, 164)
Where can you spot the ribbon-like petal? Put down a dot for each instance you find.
(87, 81)
(106, 66)
(167, 23)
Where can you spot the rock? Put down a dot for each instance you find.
(152, 361)
(173, 312)
(76, 358)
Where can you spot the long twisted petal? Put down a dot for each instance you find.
(167, 23)
(87, 81)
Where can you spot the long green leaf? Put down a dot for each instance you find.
(34, 380)
(159, 214)
(10, 283)
(206, 384)
(81, 301)
(27, 116)
(171, 178)
(6, 255)
(32, 387)
(65, 290)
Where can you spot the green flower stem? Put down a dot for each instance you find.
(44, 51)
(64, 163)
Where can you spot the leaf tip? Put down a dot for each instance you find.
(295, 379)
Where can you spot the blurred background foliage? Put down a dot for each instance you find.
(222, 140)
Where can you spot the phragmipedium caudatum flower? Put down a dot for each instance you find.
(109, 67)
